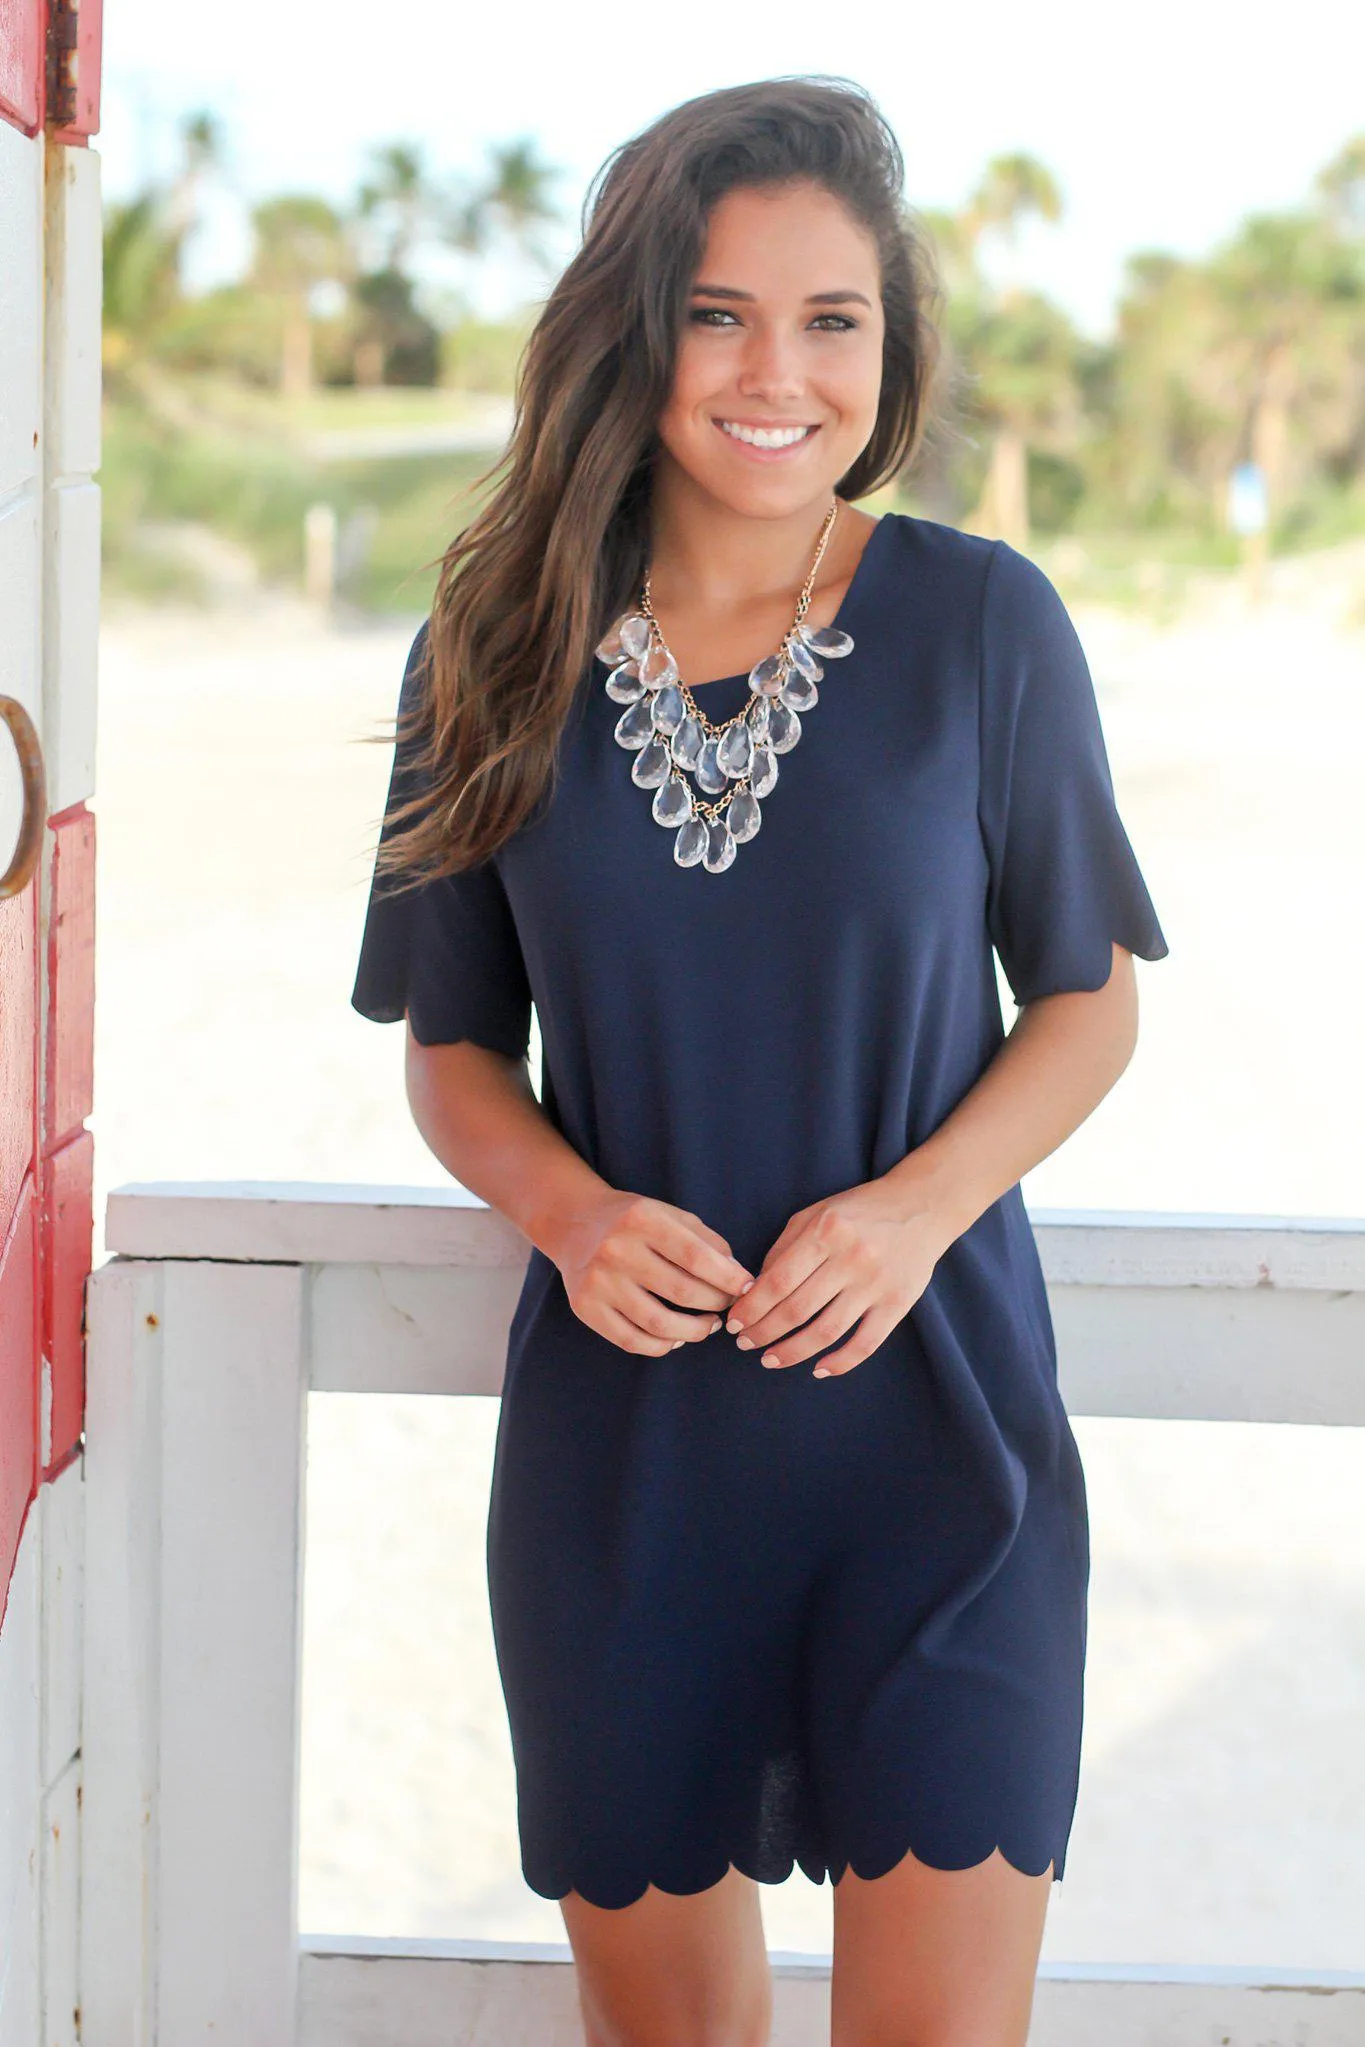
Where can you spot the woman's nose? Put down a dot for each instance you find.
(772, 365)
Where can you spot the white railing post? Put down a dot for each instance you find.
(195, 1470)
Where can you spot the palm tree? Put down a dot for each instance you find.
(1018, 350)
(513, 200)
(300, 244)
(399, 201)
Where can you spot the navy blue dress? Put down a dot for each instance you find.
(749, 1616)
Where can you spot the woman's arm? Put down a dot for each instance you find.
(1058, 1063)
(617, 1251)
(864, 1256)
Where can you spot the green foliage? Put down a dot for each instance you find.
(483, 355)
(1120, 451)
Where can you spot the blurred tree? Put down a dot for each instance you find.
(301, 243)
(1016, 353)
(514, 200)
(398, 202)
(141, 278)
(1011, 188)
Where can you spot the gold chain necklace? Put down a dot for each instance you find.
(734, 761)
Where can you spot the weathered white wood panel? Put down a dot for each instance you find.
(122, 1607)
(359, 1993)
(71, 343)
(71, 514)
(20, 1801)
(21, 205)
(1142, 1247)
(19, 616)
(310, 1223)
(61, 1511)
(410, 1328)
(232, 1446)
(61, 1909)
(1205, 1353)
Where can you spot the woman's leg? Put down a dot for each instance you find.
(674, 1971)
(937, 1957)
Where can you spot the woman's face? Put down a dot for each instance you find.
(779, 365)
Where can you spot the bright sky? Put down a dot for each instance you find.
(1163, 125)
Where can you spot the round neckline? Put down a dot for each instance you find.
(718, 682)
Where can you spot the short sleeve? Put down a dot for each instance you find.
(445, 953)
(1064, 883)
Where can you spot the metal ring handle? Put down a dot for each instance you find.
(28, 747)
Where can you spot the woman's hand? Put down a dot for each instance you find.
(619, 1254)
(863, 1256)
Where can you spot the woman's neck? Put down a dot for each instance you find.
(715, 557)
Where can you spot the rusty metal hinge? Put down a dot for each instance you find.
(62, 62)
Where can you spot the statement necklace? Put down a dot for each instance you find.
(736, 760)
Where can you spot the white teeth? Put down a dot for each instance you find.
(765, 436)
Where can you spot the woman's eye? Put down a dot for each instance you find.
(717, 316)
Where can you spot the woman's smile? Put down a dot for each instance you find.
(767, 443)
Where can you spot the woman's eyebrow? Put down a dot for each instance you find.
(814, 298)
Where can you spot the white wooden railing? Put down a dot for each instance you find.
(222, 1307)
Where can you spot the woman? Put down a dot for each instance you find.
(832, 1611)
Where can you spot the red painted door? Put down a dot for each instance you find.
(49, 99)
(20, 1373)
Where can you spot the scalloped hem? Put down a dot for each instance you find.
(817, 1871)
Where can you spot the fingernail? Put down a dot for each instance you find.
(676, 1344)
(770, 1357)
(821, 1373)
(746, 1286)
(744, 1343)
(715, 1325)
(732, 1325)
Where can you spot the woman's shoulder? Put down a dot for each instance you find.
(973, 570)
(925, 559)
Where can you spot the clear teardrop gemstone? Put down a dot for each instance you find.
(652, 766)
(609, 649)
(802, 658)
(827, 641)
(784, 728)
(799, 693)
(736, 750)
(633, 633)
(744, 815)
(758, 719)
(658, 667)
(690, 843)
(624, 683)
(669, 708)
(711, 776)
(635, 726)
(764, 774)
(766, 677)
(687, 742)
(720, 847)
(672, 801)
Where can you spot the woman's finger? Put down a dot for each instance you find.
(874, 1329)
(834, 1320)
(805, 1300)
(673, 1282)
(780, 1277)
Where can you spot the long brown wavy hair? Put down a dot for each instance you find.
(558, 547)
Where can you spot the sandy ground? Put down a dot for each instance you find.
(1224, 1773)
